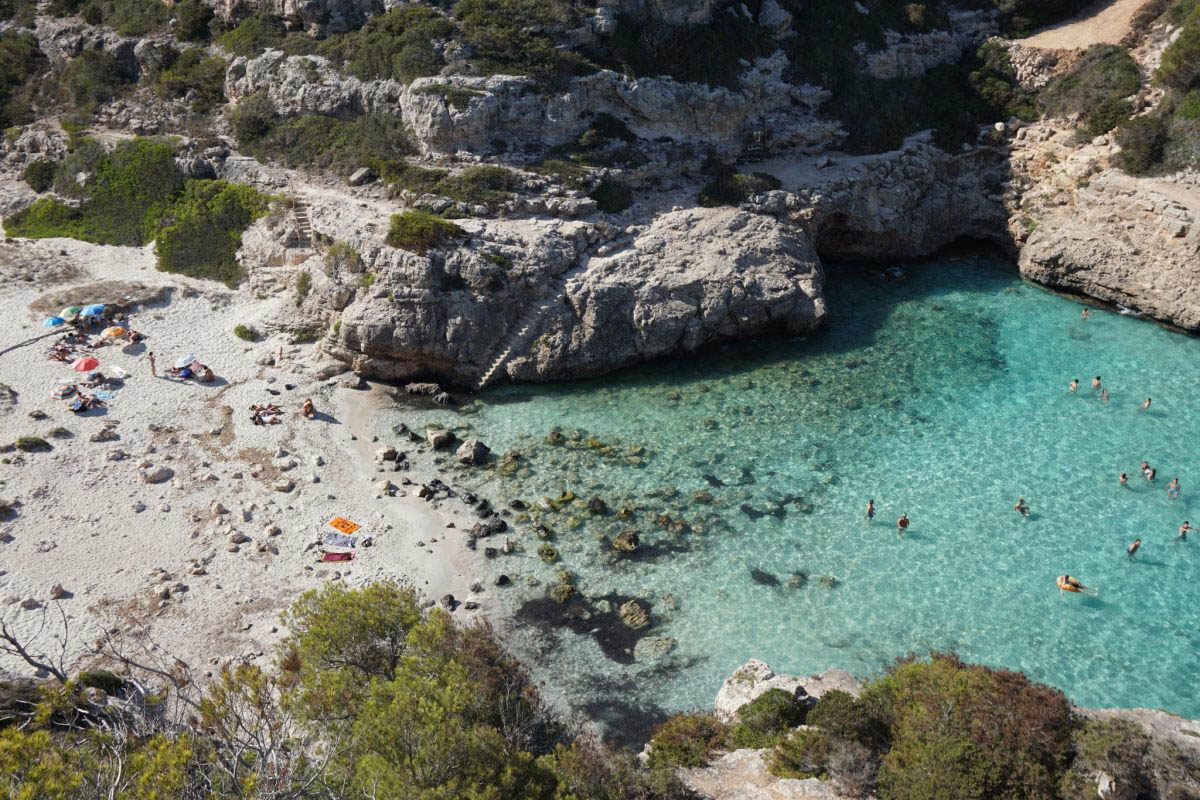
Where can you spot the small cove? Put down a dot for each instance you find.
(943, 396)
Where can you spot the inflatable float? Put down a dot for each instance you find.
(1068, 584)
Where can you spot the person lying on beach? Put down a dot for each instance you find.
(308, 409)
(84, 402)
(133, 336)
(1020, 507)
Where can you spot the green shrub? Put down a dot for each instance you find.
(1114, 746)
(967, 731)
(322, 142)
(687, 740)
(129, 17)
(1102, 77)
(1180, 65)
(39, 174)
(252, 118)
(802, 754)
(574, 176)
(21, 62)
(1142, 141)
(341, 256)
(253, 35)
(192, 21)
(398, 44)
(1110, 113)
(709, 53)
(305, 336)
(866, 720)
(737, 188)
(21, 12)
(303, 286)
(765, 717)
(612, 196)
(246, 333)
(101, 679)
(420, 232)
(33, 444)
(193, 71)
(83, 156)
(481, 184)
(994, 80)
(457, 96)
(199, 233)
(59, 432)
(130, 188)
(91, 78)
(1188, 106)
(514, 36)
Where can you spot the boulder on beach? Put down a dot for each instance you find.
(472, 452)
(385, 454)
(156, 474)
(439, 439)
(634, 614)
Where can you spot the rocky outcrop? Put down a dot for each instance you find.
(316, 17)
(910, 55)
(1089, 228)
(754, 678)
(518, 111)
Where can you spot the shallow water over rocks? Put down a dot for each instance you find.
(745, 471)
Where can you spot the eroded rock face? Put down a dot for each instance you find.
(748, 682)
(914, 54)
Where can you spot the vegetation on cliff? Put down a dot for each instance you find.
(370, 697)
(135, 194)
(938, 728)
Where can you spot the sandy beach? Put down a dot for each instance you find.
(206, 558)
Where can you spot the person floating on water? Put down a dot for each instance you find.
(870, 509)
(1183, 530)
(1146, 405)
(1095, 383)
(1145, 468)
(1073, 385)
(902, 525)
(1173, 489)
(1020, 507)
(1067, 583)
(1125, 480)
(1133, 548)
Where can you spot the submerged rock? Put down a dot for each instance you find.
(626, 542)
(439, 439)
(472, 452)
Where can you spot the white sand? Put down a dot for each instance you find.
(78, 522)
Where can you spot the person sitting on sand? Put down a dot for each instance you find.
(1173, 489)
(1073, 385)
(1124, 480)
(1183, 530)
(1020, 507)
(206, 374)
(1133, 548)
(1146, 405)
(902, 525)
(308, 409)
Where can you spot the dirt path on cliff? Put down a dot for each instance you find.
(1105, 22)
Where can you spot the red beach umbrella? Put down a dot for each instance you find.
(85, 364)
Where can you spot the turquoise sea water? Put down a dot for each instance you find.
(944, 396)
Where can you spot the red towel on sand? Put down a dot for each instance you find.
(336, 556)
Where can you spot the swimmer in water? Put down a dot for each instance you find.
(1104, 395)
(1146, 405)
(1095, 383)
(1065, 581)
(1073, 385)
(1183, 530)
(1020, 507)
(1173, 489)
(870, 509)
(1083, 314)
(1125, 480)
(902, 525)
(1133, 548)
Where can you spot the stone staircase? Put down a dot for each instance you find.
(522, 330)
(302, 222)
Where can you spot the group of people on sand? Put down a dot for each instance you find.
(271, 413)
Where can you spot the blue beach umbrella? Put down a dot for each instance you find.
(52, 322)
(94, 310)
